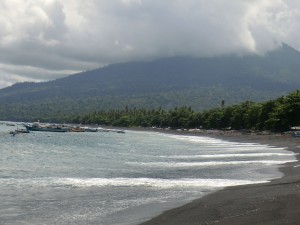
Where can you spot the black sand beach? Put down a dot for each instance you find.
(276, 202)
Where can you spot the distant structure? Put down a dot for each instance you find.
(223, 103)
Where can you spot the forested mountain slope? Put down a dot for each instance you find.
(201, 83)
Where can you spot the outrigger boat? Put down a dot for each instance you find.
(47, 128)
(296, 134)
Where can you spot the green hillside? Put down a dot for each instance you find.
(200, 83)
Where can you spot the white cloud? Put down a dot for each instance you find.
(53, 37)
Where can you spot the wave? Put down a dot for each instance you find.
(208, 140)
(214, 143)
(227, 155)
(126, 182)
(209, 163)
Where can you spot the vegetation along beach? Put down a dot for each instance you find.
(176, 165)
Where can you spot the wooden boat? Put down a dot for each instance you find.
(296, 134)
(46, 128)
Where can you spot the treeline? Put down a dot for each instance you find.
(274, 115)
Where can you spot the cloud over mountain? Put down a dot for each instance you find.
(47, 39)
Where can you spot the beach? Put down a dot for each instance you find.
(110, 178)
(275, 202)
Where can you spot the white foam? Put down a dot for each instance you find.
(227, 155)
(209, 163)
(130, 182)
(208, 140)
(159, 183)
(213, 143)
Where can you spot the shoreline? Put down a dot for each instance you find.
(274, 202)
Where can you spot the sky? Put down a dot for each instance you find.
(43, 40)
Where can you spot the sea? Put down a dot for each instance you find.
(108, 178)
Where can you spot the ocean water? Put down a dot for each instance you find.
(119, 179)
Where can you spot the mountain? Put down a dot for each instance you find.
(201, 83)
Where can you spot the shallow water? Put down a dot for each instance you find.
(110, 178)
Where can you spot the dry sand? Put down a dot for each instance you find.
(276, 202)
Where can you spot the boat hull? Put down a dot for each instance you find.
(46, 129)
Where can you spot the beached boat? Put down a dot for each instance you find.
(100, 129)
(19, 131)
(10, 124)
(90, 129)
(22, 131)
(296, 134)
(117, 131)
(47, 128)
(76, 129)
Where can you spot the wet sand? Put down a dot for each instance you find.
(276, 202)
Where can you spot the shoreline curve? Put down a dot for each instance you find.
(274, 203)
